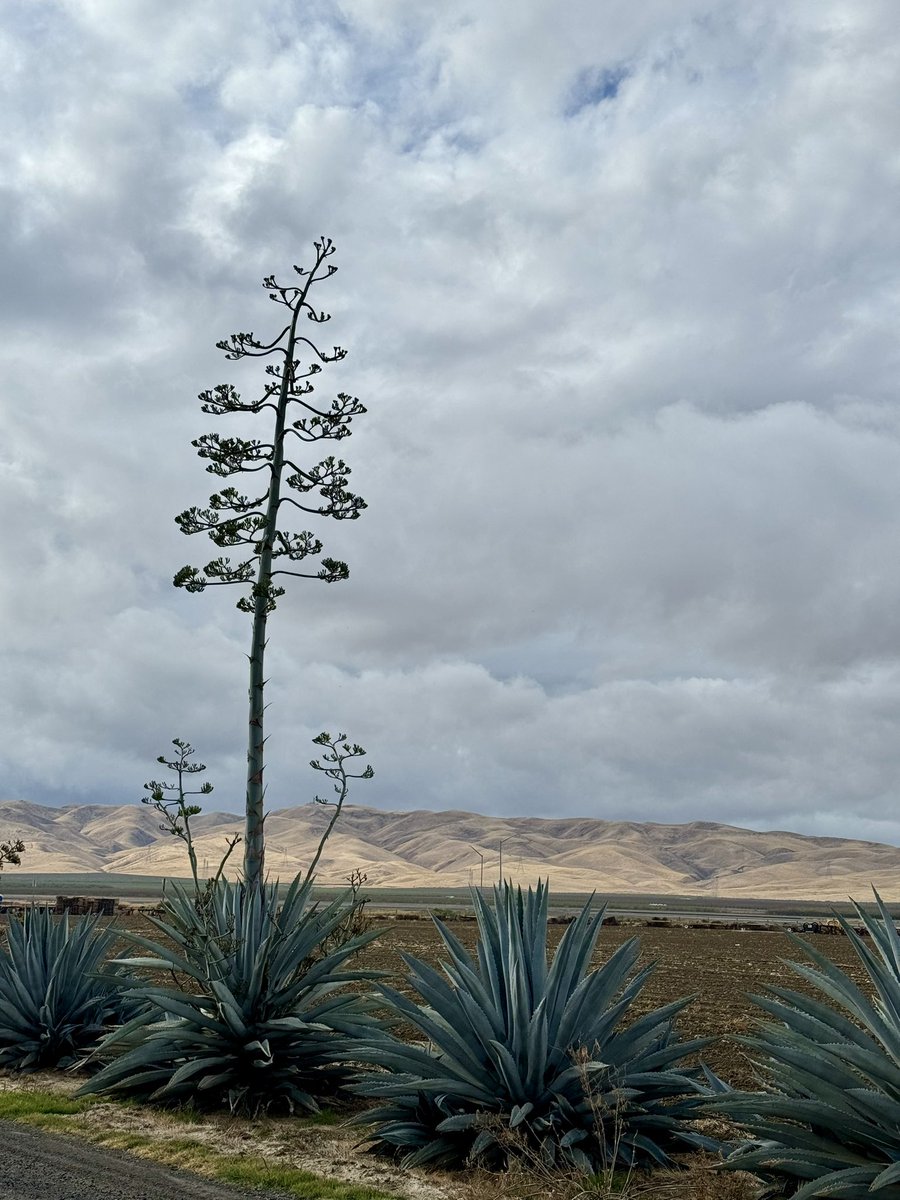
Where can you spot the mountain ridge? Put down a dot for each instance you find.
(424, 848)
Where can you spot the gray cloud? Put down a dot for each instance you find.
(619, 287)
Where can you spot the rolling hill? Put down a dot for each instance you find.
(442, 849)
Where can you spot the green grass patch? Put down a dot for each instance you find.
(17, 1106)
(304, 1185)
(243, 1170)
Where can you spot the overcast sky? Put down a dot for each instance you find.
(620, 288)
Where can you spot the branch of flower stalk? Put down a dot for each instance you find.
(177, 812)
(10, 853)
(338, 752)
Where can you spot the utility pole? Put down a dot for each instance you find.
(481, 856)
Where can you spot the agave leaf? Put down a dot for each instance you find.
(645, 1036)
(189, 1070)
(195, 1009)
(468, 1120)
(888, 1176)
(424, 1019)
(571, 961)
(593, 996)
(217, 1081)
(848, 1184)
(520, 1006)
(809, 1143)
(483, 1142)
(484, 1023)
(432, 987)
(828, 1081)
(430, 1154)
(812, 1018)
(163, 958)
(881, 973)
(876, 1106)
(439, 1085)
(580, 1160)
(490, 952)
(519, 1113)
(536, 1052)
(508, 1069)
(143, 1081)
(768, 1161)
(836, 984)
(649, 1148)
(673, 1051)
(229, 1007)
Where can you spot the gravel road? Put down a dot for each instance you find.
(41, 1166)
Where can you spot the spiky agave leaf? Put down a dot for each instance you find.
(828, 1123)
(262, 1017)
(58, 994)
(525, 1058)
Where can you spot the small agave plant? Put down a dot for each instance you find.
(58, 994)
(260, 1018)
(828, 1123)
(522, 1059)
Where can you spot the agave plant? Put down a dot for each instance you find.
(526, 1059)
(828, 1123)
(58, 995)
(261, 1017)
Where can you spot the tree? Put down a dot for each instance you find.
(256, 522)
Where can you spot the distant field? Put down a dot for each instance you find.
(22, 886)
(146, 889)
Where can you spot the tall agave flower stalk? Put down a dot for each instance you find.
(828, 1122)
(58, 994)
(524, 1058)
(263, 1018)
(257, 525)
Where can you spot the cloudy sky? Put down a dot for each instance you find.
(621, 289)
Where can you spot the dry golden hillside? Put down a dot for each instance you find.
(441, 849)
